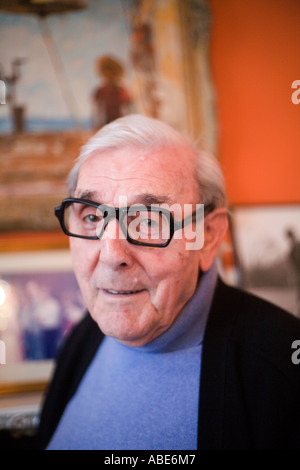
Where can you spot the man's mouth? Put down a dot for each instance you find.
(123, 292)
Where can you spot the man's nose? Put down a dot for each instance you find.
(114, 249)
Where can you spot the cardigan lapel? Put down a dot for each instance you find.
(214, 368)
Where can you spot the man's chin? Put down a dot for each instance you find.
(125, 325)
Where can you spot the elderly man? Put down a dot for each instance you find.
(168, 357)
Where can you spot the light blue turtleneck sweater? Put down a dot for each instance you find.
(142, 398)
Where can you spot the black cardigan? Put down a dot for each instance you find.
(250, 388)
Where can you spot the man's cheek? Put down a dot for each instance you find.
(80, 259)
(82, 274)
(160, 295)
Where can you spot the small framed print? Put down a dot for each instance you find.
(40, 302)
(267, 248)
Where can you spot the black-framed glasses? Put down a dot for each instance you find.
(141, 225)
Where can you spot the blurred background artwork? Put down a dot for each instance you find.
(49, 66)
(37, 307)
(111, 100)
(54, 51)
(267, 248)
(39, 303)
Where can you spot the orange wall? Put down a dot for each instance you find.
(255, 57)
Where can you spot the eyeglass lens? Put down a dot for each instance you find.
(142, 225)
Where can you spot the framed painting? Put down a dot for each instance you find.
(49, 75)
(134, 56)
(39, 303)
(267, 248)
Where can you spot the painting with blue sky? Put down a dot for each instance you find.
(52, 100)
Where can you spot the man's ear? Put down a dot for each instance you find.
(215, 226)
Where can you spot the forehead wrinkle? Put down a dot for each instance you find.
(94, 178)
(141, 198)
(144, 180)
(124, 169)
(92, 184)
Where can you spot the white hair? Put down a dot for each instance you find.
(141, 132)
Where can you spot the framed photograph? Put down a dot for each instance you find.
(39, 303)
(267, 248)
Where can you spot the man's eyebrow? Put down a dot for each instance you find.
(147, 199)
(89, 195)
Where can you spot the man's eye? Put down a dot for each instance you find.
(148, 222)
(91, 219)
